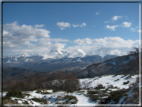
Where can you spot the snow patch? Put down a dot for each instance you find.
(80, 50)
(28, 60)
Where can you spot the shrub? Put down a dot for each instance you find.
(136, 89)
(9, 101)
(14, 93)
(105, 100)
(81, 91)
(66, 100)
(34, 89)
(41, 100)
(26, 95)
(126, 82)
(55, 90)
(114, 95)
(136, 95)
(71, 91)
(100, 86)
(94, 97)
(42, 91)
(69, 99)
(92, 92)
(110, 86)
(25, 102)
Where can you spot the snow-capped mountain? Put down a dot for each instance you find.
(55, 54)
(49, 62)
(77, 53)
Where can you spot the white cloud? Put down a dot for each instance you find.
(106, 21)
(126, 24)
(30, 39)
(97, 13)
(75, 25)
(136, 29)
(25, 31)
(111, 27)
(36, 26)
(104, 46)
(133, 29)
(116, 17)
(83, 41)
(83, 24)
(115, 52)
(106, 42)
(113, 19)
(63, 25)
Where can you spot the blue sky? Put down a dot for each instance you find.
(70, 26)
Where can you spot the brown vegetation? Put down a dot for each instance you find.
(57, 81)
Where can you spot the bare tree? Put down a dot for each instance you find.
(135, 55)
(32, 81)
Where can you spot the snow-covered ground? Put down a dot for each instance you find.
(81, 95)
(116, 81)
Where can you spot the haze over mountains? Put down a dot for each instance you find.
(54, 60)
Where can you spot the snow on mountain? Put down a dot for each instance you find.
(59, 53)
(81, 51)
(77, 53)
(28, 60)
(77, 60)
(55, 54)
(25, 55)
(47, 56)
(8, 61)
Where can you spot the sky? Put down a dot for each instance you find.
(93, 28)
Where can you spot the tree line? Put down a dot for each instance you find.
(56, 81)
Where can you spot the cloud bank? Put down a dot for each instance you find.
(34, 40)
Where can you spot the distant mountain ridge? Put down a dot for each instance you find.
(58, 53)
(117, 65)
(38, 63)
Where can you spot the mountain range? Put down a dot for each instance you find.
(40, 63)
(85, 67)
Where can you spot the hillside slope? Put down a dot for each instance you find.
(118, 65)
